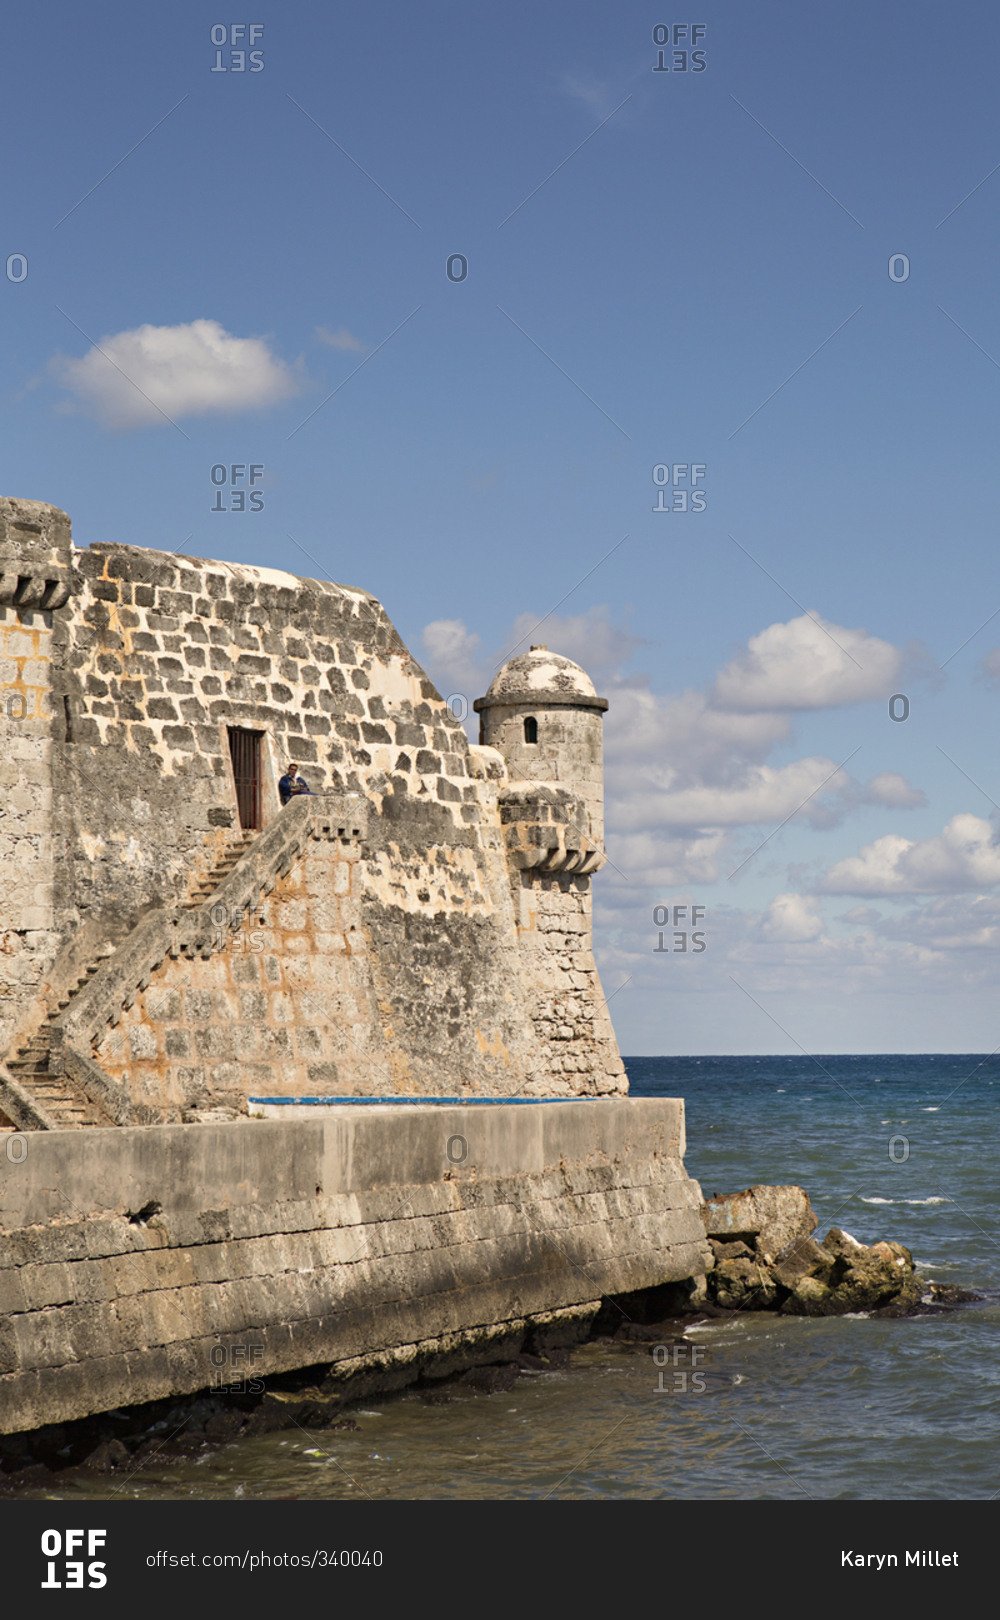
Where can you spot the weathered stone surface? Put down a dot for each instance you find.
(355, 1243)
(732, 1250)
(744, 1285)
(460, 924)
(804, 1278)
(803, 1258)
(772, 1216)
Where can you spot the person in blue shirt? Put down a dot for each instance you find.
(291, 784)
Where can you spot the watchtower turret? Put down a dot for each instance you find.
(542, 714)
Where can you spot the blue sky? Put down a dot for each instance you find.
(664, 269)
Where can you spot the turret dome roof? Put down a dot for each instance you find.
(541, 676)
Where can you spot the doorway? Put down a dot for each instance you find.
(245, 753)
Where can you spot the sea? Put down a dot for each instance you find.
(754, 1406)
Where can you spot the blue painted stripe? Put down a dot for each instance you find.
(424, 1102)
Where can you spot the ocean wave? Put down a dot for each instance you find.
(905, 1200)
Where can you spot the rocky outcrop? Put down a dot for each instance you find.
(766, 1259)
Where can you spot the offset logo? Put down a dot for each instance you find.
(66, 1566)
(237, 34)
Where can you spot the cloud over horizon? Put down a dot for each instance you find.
(963, 857)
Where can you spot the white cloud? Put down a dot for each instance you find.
(590, 638)
(452, 657)
(594, 93)
(808, 663)
(141, 377)
(894, 792)
(683, 771)
(792, 919)
(656, 857)
(989, 666)
(964, 856)
(340, 339)
(861, 916)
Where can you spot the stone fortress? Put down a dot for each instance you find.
(183, 961)
(173, 942)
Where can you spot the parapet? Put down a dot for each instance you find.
(35, 555)
(543, 829)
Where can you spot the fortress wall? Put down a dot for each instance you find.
(357, 1242)
(569, 1011)
(29, 938)
(129, 802)
(165, 651)
(284, 1005)
(352, 977)
(34, 578)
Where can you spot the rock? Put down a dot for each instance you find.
(736, 1250)
(491, 1380)
(769, 1218)
(224, 1425)
(744, 1285)
(803, 1258)
(811, 1297)
(872, 1277)
(842, 1275)
(948, 1294)
(767, 1259)
(840, 1243)
(107, 1458)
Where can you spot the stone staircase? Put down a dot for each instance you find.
(53, 1082)
(60, 1098)
(207, 885)
(57, 1098)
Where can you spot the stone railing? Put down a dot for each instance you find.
(198, 932)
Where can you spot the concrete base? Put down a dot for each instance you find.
(138, 1263)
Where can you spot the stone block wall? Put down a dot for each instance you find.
(29, 938)
(340, 983)
(128, 802)
(283, 1006)
(357, 1243)
(34, 576)
(569, 1011)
